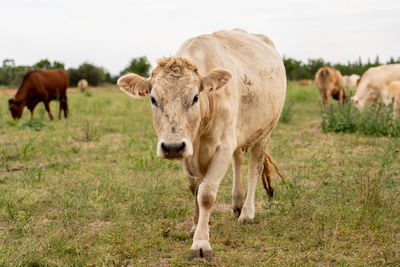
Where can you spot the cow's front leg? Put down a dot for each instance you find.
(194, 188)
(206, 195)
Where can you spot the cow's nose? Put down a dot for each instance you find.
(173, 150)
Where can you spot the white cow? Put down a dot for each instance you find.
(350, 81)
(220, 94)
(394, 94)
(374, 84)
(83, 85)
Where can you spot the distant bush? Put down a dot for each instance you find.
(140, 66)
(286, 115)
(375, 120)
(93, 74)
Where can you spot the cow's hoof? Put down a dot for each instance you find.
(247, 215)
(201, 249)
(246, 220)
(237, 211)
(199, 253)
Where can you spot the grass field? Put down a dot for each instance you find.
(90, 191)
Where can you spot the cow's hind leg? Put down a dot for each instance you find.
(238, 194)
(63, 107)
(341, 96)
(256, 167)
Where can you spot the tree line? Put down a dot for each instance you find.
(297, 70)
(11, 75)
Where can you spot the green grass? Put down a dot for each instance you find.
(90, 191)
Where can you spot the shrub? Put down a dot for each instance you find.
(34, 124)
(93, 74)
(286, 115)
(375, 120)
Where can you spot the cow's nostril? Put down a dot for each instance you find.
(173, 150)
(181, 148)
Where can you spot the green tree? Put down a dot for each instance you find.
(58, 65)
(93, 74)
(43, 64)
(140, 66)
(7, 72)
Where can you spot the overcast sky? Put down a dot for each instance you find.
(110, 33)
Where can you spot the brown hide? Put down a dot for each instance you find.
(304, 82)
(329, 82)
(41, 86)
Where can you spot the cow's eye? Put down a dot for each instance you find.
(195, 99)
(153, 101)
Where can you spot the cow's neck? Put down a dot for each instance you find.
(21, 95)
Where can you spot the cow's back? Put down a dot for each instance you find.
(382, 75)
(54, 79)
(256, 92)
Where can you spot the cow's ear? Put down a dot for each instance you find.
(10, 101)
(215, 79)
(358, 81)
(134, 85)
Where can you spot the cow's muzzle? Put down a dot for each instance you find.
(174, 150)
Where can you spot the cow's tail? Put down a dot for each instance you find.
(266, 174)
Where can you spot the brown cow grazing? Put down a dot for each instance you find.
(220, 94)
(329, 82)
(304, 82)
(37, 86)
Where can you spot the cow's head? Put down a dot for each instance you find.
(177, 93)
(366, 91)
(15, 108)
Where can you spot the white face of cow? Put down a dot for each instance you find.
(364, 91)
(174, 88)
(176, 114)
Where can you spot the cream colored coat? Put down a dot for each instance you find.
(394, 94)
(222, 93)
(350, 81)
(83, 85)
(374, 84)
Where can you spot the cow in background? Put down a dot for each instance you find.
(394, 94)
(350, 81)
(329, 82)
(83, 85)
(374, 85)
(40, 86)
(304, 82)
